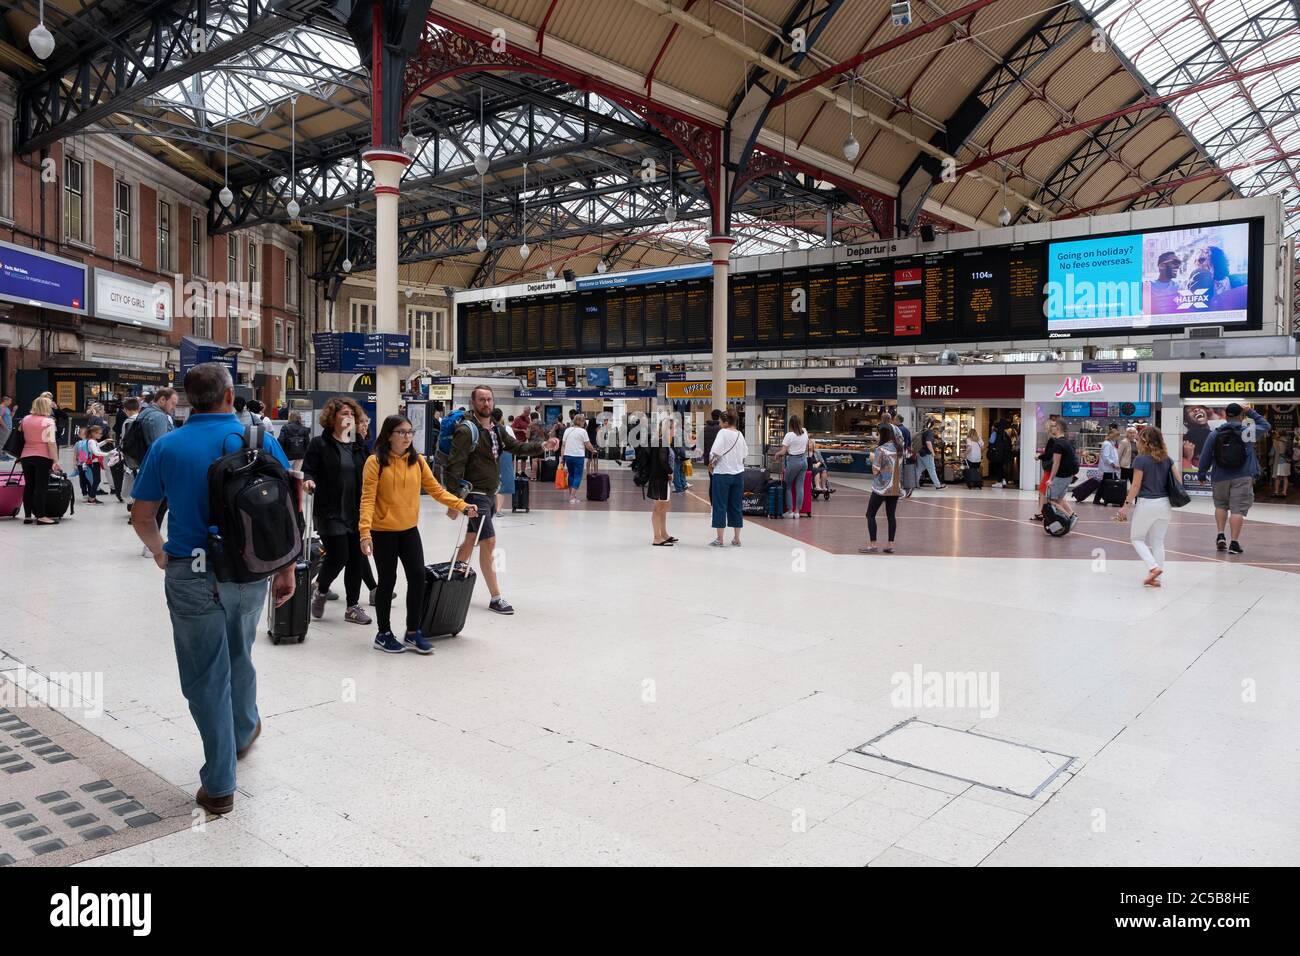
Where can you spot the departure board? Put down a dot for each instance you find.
(699, 305)
(742, 329)
(469, 330)
(939, 291)
(534, 324)
(982, 294)
(654, 318)
(767, 307)
(634, 318)
(821, 301)
(568, 323)
(794, 308)
(877, 302)
(614, 320)
(1025, 283)
(981, 280)
(908, 298)
(517, 309)
(590, 313)
(674, 315)
(847, 277)
(501, 326)
(550, 324)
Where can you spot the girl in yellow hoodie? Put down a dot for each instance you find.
(390, 515)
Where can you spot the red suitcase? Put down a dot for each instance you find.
(11, 493)
(807, 493)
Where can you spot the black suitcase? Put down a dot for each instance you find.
(973, 477)
(546, 469)
(1085, 489)
(597, 487)
(60, 498)
(1114, 490)
(289, 622)
(448, 588)
(519, 500)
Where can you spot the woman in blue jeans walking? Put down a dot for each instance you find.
(794, 449)
(727, 479)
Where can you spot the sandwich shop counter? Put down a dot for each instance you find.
(841, 414)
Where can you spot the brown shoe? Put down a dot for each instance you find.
(257, 732)
(215, 805)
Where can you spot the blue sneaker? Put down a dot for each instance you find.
(417, 642)
(384, 641)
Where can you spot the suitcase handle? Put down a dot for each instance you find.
(465, 488)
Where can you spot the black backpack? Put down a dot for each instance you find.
(1229, 449)
(295, 443)
(134, 444)
(641, 467)
(254, 510)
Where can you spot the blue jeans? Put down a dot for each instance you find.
(89, 476)
(726, 492)
(213, 632)
(574, 464)
(679, 473)
(927, 462)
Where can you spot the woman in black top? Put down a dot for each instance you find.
(658, 488)
(332, 469)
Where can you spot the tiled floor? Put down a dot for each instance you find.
(697, 705)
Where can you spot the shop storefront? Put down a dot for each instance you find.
(1274, 393)
(959, 403)
(77, 384)
(1088, 403)
(696, 399)
(840, 414)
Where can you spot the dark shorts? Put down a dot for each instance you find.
(487, 507)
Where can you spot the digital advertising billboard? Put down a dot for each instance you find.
(1156, 281)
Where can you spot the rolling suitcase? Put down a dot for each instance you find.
(546, 470)
(973, 477)
(60, 499)
(448, 588)
(1085, 489)
(775, 498)
(807, 494)
(519, 500)
(11, 493)
(1114, 490)
(288, 623)
(597, 487)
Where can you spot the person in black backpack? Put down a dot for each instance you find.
(1062, 464)
(1228, 457)
(214, 622)
(294, 438)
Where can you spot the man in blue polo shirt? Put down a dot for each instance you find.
(213, 623)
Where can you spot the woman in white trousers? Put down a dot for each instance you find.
(1148, 502)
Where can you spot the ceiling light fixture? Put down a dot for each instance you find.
(41, 39)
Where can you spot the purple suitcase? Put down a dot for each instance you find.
(1085, 489)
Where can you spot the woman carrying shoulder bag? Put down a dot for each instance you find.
(886, 472)
(727, 479)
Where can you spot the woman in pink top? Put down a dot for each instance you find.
(40, 457)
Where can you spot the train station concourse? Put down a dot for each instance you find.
(770, 433)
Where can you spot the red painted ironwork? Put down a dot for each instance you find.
(764, 161)
(541, 31)
(450, 48)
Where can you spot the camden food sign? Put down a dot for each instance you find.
(1270, 384)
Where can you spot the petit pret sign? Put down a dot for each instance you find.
(960, 387)
(1247, 384)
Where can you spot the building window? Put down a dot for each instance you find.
(290, 283)
(232, 259)
(74, 202)
(419, 326)
(196, 246)
(164, 237)
(254, 331)
(279, 336)
(439, 329)
(288, 338)
(202, 321)
(6, 169)
(122, 220)
(362, 316)
(252, 268)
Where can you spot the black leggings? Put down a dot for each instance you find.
(390, 547)
(36, 474)
(342, 553)
(891, 506)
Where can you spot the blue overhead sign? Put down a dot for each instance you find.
(643, 278)
(36, 278)
(586, 392)
(198, 351)
(388, 348)
(344, 352)
(1109, 368)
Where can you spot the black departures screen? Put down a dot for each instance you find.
(991, 294)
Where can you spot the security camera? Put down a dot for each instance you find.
(900, 13)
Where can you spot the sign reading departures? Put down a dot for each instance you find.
(1105, 285)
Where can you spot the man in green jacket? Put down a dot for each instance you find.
(477, 463)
